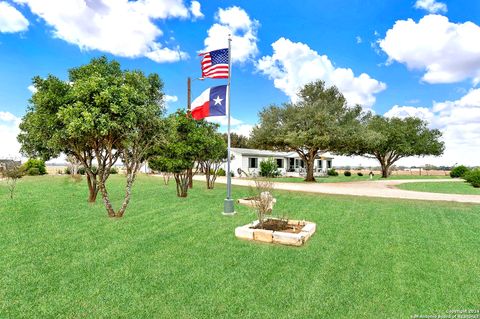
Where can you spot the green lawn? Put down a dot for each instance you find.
(178, 258)
(442, 187)
(354, 178)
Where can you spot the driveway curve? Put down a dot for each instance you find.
(382, 188)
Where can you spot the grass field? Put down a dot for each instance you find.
(354, 178)
(178, 258)
(442, 187)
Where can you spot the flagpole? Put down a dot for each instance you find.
(228, 207)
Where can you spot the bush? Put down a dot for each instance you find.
(332, 172)
(221, 172)
(269, 168)
(68, 171)
(360, 174)
(473, 177)
(347, 173)
(33, 171)
(34, 167)
(113, 170)
(458, 171)
(81, 170)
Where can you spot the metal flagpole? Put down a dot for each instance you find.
(228, 207)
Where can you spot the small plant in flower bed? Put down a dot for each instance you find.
(347, 173)
(473, 177)
(458, 171)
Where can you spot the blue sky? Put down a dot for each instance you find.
(394, 57)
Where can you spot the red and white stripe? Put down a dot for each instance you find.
(217, 71)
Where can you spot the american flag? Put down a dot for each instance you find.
(215, 64)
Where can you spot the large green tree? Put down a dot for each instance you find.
(390, 139)
(100, 115)
(320, 121)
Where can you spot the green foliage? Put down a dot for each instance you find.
(332, 172)
(473, 177)
(113, 170)
(458, 171)
(238, 140)
(360, 174)
(269, 168)
(35, 167)
(347, 173)
(221, 172)
(319, 121)
(390, 139)
(185, 142)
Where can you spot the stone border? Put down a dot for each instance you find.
(277, 237)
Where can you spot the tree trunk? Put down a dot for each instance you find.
(106, 200)
(92, 188)
(128, 192)
(182, 184)
(190, 177)
(310, 163)
(385, 170)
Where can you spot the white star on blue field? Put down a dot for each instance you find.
(398, 58)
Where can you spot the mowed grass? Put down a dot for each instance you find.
(354, 178)
(175, 257)
(442, 187)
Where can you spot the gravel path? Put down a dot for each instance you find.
(383, 188)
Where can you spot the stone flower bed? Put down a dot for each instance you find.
(296, 233)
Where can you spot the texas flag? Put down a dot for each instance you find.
(212, 102)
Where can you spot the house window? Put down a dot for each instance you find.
(329, 163)
(320, 164)
(280, 162)
(252, 162)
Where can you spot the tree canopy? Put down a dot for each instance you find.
(390, 139)
(100, 114)
(320, 121)
(186, 142)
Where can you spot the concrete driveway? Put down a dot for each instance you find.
(382, 188)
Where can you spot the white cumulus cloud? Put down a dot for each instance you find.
(9, 147)
(447, 52)
(236, 125)
(11, 20)
(120, 27)
(195, 9)
(169, 99)
(432, 6)
(294, 64)
(243, 29)
(459, 122)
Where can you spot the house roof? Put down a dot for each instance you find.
(268, 153)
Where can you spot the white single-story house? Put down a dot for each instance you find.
(247, 161)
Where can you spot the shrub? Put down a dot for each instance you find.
(33, 171)
(347, 173)
(221, 172)
(473, 177)
(332, 172)
(458, 171)
(269, 168)
(68, 171)
(360, 174)
(35, 167)
(81, 170)
(113, 170)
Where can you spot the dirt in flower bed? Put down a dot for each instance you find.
(279, 225)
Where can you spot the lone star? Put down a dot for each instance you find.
(218, 100)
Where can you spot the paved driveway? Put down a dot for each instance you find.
(382, 188)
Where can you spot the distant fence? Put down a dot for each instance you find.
(413, 171)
